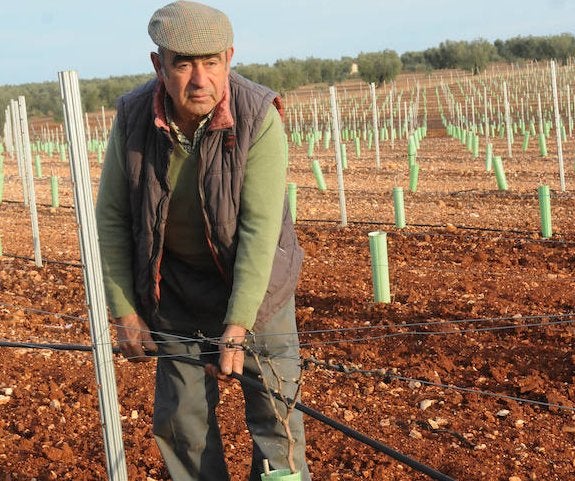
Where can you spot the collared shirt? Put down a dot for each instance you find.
(189, 145)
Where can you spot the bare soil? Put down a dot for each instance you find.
(469, 368)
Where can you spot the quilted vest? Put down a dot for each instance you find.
(222, 162)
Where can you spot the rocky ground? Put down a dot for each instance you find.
(468, 370)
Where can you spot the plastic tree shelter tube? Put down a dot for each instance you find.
(54, 191)
(318, 174)
(499, 173)
(545, 210)
(399, 207)
(379, 266)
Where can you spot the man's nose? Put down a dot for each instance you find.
(199, 76)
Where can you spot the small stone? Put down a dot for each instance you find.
(519, 423)
(134, 414)
(503, 413)
(55, 404)
(433, 424)
(480, 447)
(415, 434)
(568, 429)
(4, 399)
(348, 415)
(426, 403)
(8, 391)
(414, 384)
(514, 478)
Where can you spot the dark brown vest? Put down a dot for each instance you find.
(223, 157)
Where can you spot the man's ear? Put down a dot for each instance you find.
(229, 55)
(155, 57)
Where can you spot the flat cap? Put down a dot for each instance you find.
(191, 28)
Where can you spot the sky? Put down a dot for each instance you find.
(106, 38)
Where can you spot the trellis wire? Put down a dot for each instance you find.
(93, 277)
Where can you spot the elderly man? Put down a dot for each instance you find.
(197, 242)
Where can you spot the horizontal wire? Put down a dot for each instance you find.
(340, 368)
(386, 374)
(216, 340)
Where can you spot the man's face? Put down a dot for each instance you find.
(195, 84)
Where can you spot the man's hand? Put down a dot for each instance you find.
(231, 352)
(134, 338)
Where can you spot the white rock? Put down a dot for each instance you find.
(415, 434)
(503, 413)
(433, 424)
(8, 391)
(55, 404)
(134, 414)
(423, 405)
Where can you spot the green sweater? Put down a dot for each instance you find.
(261, 209)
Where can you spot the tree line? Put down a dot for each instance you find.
(43, 99)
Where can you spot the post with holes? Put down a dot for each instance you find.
(93, 277)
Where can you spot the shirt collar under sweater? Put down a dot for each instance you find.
(189, 145)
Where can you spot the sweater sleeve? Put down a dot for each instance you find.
(261, 209)
(114, 228)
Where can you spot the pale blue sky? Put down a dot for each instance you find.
(103, 38)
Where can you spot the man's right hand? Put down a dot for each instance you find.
(134, 338)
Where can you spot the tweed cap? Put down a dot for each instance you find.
(191, 28)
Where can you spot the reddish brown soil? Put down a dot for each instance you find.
(477, 332)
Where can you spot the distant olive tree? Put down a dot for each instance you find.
(414, 62)
(378, 67)
(560, 47)
(476, 55)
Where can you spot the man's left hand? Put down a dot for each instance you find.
(231, 351)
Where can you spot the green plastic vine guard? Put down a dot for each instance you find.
(499, 173)
(318, 174)
(399, 208)
(413, 176)
(343, 156)
(488, 157)
(542, 145)
(379, 266)
(38, 166)
(545, 210)
(54, 191)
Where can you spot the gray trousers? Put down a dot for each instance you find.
(185, 424)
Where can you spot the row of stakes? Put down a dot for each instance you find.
(414, 140)
(50, 148)
(470, 136)
(377, 239)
